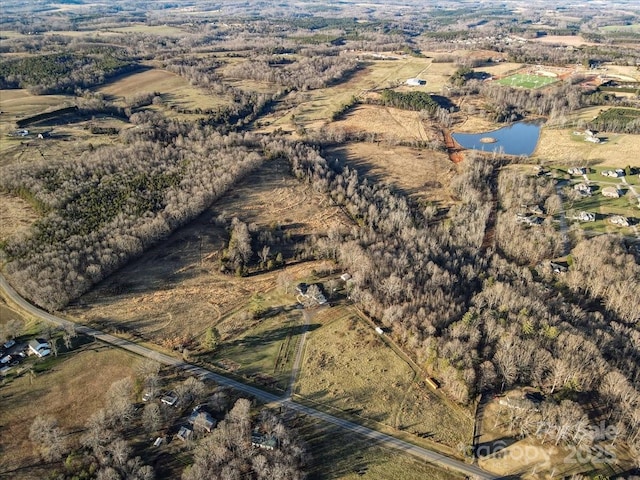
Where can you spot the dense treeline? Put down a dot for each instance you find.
(617, 120)
(394, 238)
(519, 195)
(110, 205)
(409, 100)
(479, 321)
(61, 72)
(305, 74)
(507, 104)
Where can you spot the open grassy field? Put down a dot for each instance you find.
(161, 30)
(176, 288)
(524, 80)
(70, 391)
(421, 173)
(262, 349)
(352, 457)
(500, 69)
(15, 215)
(389, 124)
(19, 103)
(634, 27)
(315, 107)
(348, 367)
(175, 90)
(560, 146)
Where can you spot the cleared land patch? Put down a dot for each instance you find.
(348, 367)
(423, 173)
(15, 215)
(560, 146)
(177, 290)
(19, 103)
(262, 349)
(388, 124)
(70, 392)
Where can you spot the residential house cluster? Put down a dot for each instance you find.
(617, 173)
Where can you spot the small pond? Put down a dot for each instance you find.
(519, 138)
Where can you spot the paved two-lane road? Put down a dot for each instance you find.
(378, 437)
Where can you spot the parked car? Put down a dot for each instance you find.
(9, 344)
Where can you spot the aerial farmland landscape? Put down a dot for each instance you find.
(319, 240)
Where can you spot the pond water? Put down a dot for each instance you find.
(519, 138)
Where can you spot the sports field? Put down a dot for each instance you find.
(525, 80)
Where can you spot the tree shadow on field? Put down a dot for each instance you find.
(485, 449)
(271, 336)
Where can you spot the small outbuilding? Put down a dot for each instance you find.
(415, 82)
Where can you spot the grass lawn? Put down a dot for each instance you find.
(635, 27)
(264, 347)
(523, 80)
(348, 367)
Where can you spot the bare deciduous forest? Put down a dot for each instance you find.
(469, 288)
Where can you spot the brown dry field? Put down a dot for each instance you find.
(560, 146)
(347, 366)
(177, 289)
(314, 108)
(19, 103)
(474, 124)
(70, 392)
(16, 215)
(68, 140)
(391, 124)
(573, 40)
(175, 90)
(418, 172)
(501, 69)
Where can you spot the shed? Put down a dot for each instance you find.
(379, 331)
(415, 82)
(432, 383)
(184, 433)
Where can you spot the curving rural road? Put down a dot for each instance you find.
(378, 437)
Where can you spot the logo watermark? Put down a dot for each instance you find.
(583, 444)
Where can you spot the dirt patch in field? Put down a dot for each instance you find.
(71, 392)
(418, 172)
(176, 289)
(16, 215)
